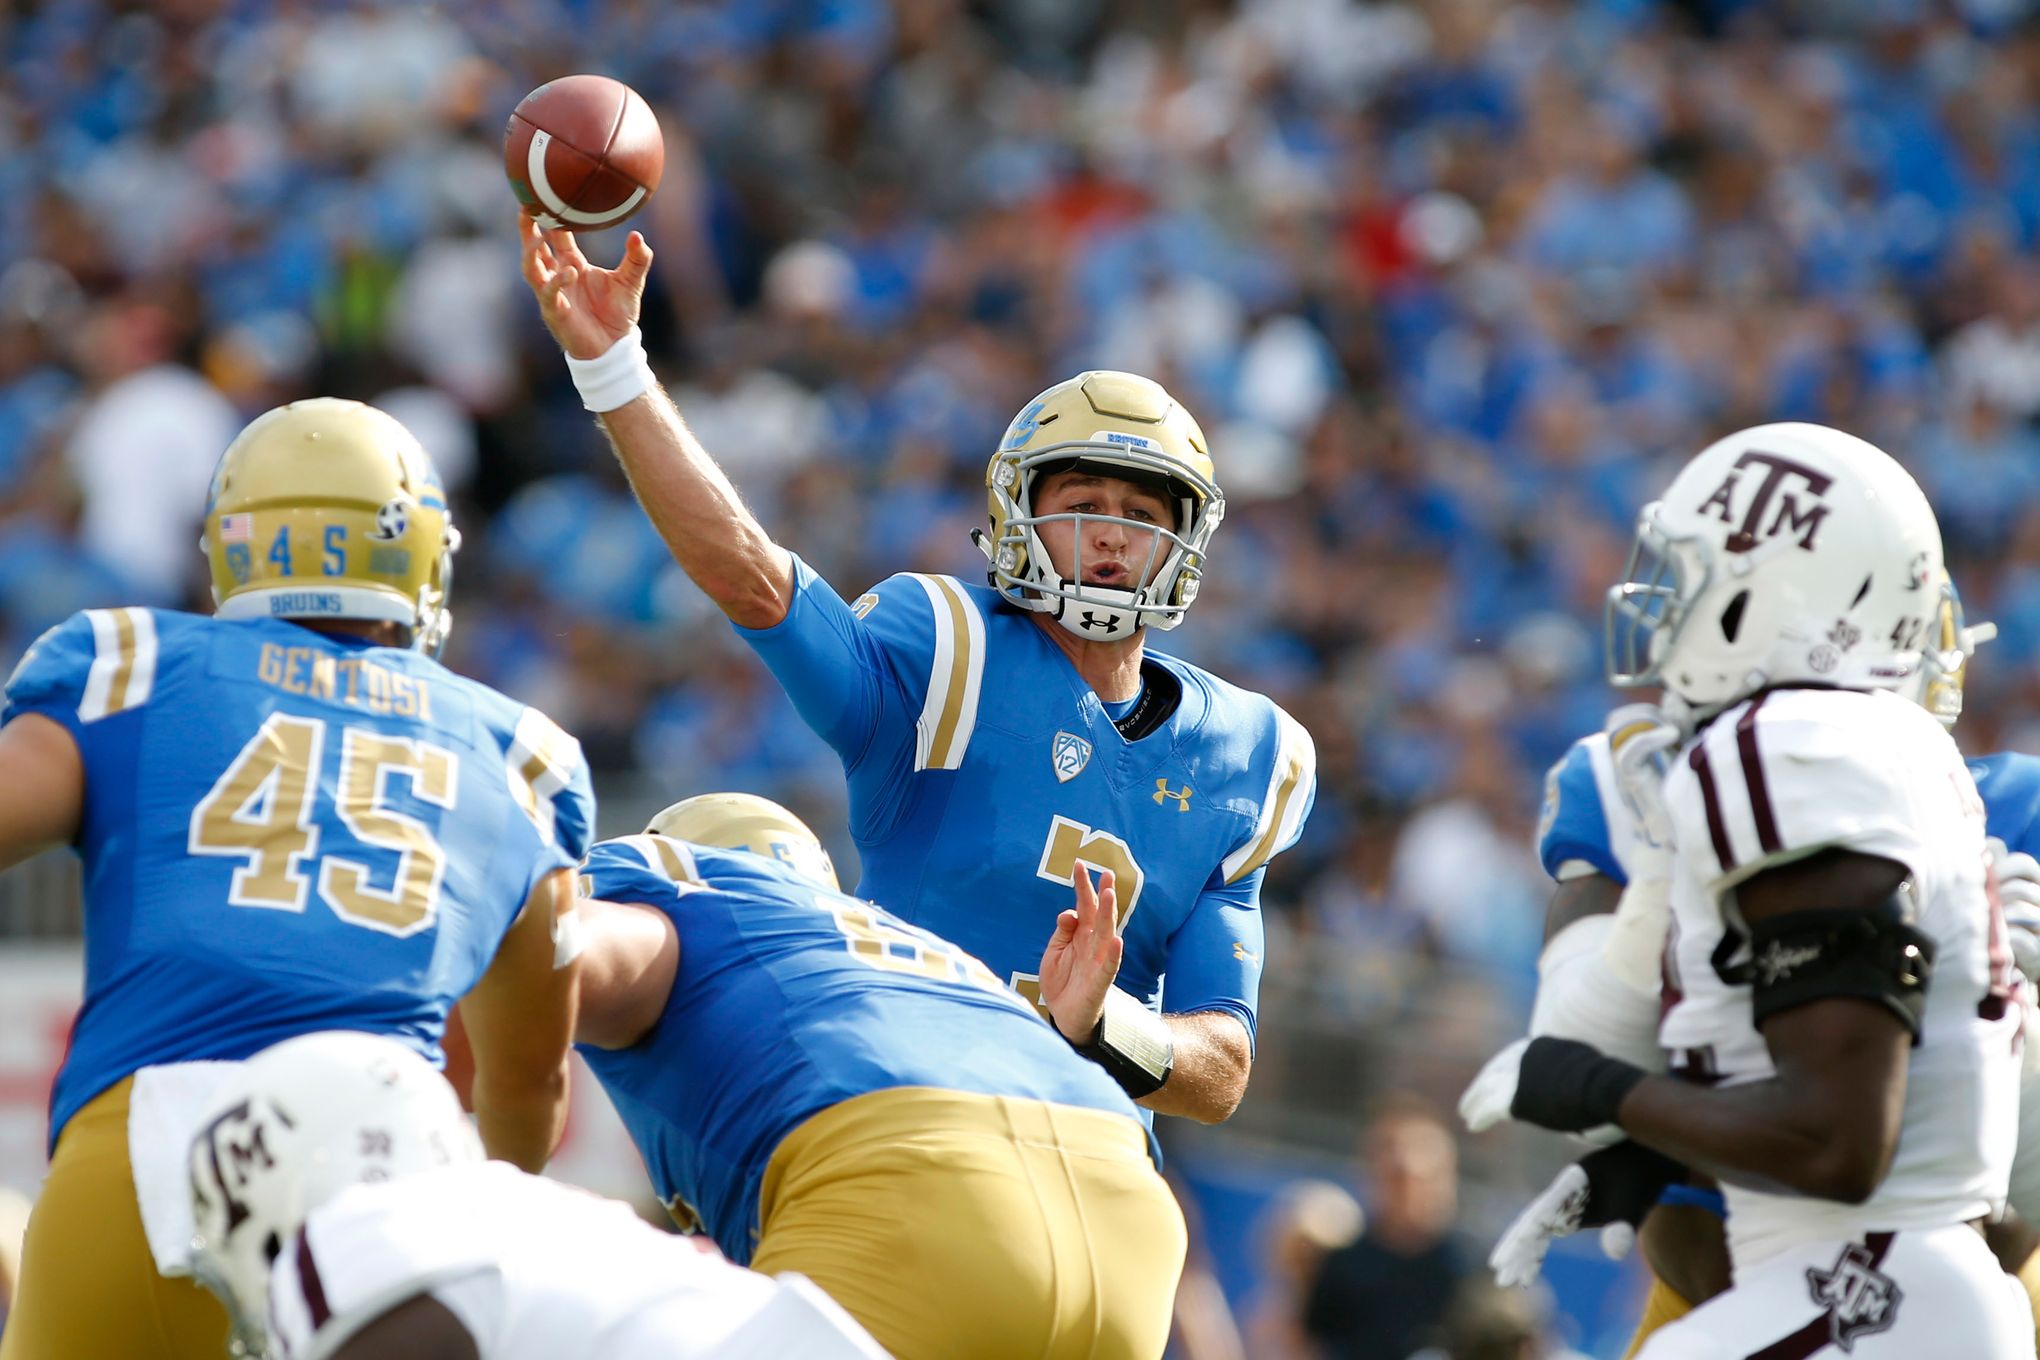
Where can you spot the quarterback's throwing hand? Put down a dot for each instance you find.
(1082, 958)
(586, 308)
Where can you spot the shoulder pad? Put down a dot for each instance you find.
(935, 631)
(549, 778)
(96, 663)
(1285, 803)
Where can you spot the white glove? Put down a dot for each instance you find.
(1612, 1189)
(2018, 882)
(1556, 1212)
(1641, 741)
(1492, 1091)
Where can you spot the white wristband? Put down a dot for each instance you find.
(619, 376)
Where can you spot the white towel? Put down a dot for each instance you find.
(164, 1111)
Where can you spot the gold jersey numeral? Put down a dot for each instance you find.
(1072, 843)
(367, 760)
(262, 811)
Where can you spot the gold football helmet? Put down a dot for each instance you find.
(744, 821)
(1119, 424)
(1944, 661)
(330, 509)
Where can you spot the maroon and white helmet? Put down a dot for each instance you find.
(298, 1123)
(1783, 554)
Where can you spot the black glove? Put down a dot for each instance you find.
(1570, 1087)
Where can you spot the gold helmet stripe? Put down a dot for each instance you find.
(949, 712)
(1282, 808)
(123, 672)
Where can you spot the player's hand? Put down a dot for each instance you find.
(1611, 1189)
(586, 308)
(2018, 884)
(1082, 958)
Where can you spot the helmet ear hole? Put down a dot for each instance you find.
(272, 1247)
(1732, 617)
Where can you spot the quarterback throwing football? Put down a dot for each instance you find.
(995, 738)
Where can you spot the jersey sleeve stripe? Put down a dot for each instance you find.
(1753, 775)
(540, 765)
(949, 712)
(123, 672)
(1710, 798)
(675, 860)
(1281, 808)
(314, 1288)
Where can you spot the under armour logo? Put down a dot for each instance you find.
(1860, 1298)
(1104, 623)
(1792, 516)
(1244, 954)
(1163, 793)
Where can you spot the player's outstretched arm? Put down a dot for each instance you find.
(42, 787)
(629, 958)
(712, 534)
(520, 1022)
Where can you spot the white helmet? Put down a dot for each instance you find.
(1783, 554)
(295, 1125)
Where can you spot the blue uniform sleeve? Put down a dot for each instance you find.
(1214, 961)
(549, 779)
(858, 672)
(617, 871)
(51, 676)
(2009, 784)
(1573, 826)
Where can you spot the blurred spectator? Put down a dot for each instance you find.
(1309, 1219)
(1488, 1322)
(1387, 1293)
(144, 449)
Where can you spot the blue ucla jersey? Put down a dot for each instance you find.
(791, 999)
(983, 769)
(287, 831)
(1583, 821)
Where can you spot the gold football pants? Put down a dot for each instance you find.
(1663, 1306)
(88, 1284)
(952, 1224)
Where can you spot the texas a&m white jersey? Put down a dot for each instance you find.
(1778, 777)
(538, 1270)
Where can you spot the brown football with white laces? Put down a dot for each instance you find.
(583, 152)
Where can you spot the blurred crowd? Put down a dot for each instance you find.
(1453, 285)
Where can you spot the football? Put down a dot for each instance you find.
(583, 152)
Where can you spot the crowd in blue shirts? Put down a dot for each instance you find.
(1452, 286)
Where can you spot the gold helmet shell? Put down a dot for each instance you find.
(1944, 660)
(331, 509)
(744, 821)
(1121, 424)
